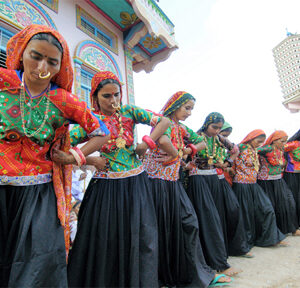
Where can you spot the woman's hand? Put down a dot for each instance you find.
(62, 157)
(141, 149)
(97, 161)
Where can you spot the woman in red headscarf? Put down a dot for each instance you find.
(116, 242)
(35, 194)
(258, 213)
(270, 179)
(292, 169)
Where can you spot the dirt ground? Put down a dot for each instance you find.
(273, 267)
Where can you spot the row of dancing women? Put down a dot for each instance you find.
(159, 213)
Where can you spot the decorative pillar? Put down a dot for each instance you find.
(77, 84)
(129, 75)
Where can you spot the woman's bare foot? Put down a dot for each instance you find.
(282, 244)
(296, 233)
(248, 255)
(231, 271)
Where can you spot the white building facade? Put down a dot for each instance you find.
(287, 60)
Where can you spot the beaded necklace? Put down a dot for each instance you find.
(179, 140)
(120, 141)
(253, 157)
(279, 161)
(214, 149)
(22, 108)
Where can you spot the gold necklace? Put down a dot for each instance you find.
(212, 156)
(22, 108)
(279, 161)
(253, 157)
(179, 140)
(120, 141)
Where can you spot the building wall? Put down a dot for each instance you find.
(65, 22)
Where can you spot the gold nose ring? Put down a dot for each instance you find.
(44, 76)
(117, 106)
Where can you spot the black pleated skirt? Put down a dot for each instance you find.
(236, 240)
(32, 248)
(283, 203)
(181, 260)
(258, 215)
(210, 227)
(230, 215)
(293, 182)
(116, 244)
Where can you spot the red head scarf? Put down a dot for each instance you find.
(17, 44)
(252, 135)
(275, 136)
(97, 79)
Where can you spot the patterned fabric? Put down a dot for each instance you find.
(293, 157)
(120, 160)
(175, 102)
(252, 135)
(154, 168)
(17, 44)
(271, 160)
(213, 117)
(275, 136)
(213, 147)
(96, 80)
(244, 165)
(22, 156)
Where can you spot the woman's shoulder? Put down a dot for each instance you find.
(9, 79)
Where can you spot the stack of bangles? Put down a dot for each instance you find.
(149, 141)
(78, 155)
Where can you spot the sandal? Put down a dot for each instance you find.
(215, 282)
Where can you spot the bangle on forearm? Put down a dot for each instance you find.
(193, 148)
(149, 141)
(171, 162)
(78, 155)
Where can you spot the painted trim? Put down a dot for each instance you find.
(89, 18)
(108, 18)
(40, 11)
(53, 6)
(98, 46)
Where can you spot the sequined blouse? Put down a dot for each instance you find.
(178, 134)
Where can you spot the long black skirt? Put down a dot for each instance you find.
(181, 260)
(293, 182)
(236, 240)
(210, 227)
(116, 244)
(32, 248)
(230, 215)
(283, 203)
(258, 215)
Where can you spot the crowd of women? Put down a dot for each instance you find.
(166, 212)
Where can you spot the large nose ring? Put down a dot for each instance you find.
(117, 106)
(44, 76)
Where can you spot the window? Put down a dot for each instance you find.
(4, 37)
(86, 78)
(95, 29)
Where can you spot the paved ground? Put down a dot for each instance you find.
(273, 267)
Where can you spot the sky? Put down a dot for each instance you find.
(225, 61)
